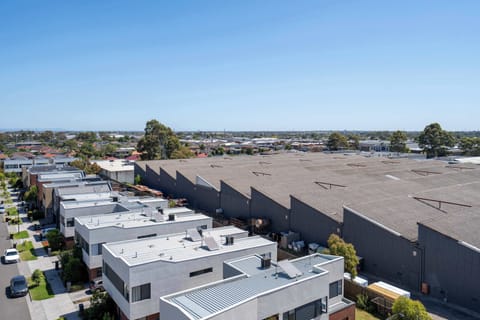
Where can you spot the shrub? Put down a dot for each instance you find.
(37, 276)
(362, 301)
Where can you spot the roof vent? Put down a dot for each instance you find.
(266, 261)
(229, 240)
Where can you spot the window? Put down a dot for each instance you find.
(335, 289)
(115, 280)
(70, 222)
(141, 292)
(96, 249)
(307, 311)
(147, 236)
(199, 272)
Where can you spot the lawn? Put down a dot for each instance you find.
(364, 315)
(20, 235)
(40, 292)
(26, 251)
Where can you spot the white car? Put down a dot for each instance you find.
(11, 256)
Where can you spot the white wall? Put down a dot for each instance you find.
(168, 277)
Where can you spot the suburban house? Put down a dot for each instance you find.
(136, 273)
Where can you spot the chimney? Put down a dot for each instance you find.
(266, 261)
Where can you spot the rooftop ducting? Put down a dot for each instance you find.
(229, 240)
(266, 261)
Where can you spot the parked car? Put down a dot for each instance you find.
(43, 233)
(11, 256)
(18, 286)
(96, 285)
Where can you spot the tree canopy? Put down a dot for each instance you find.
(337, 141)
(158, 142)
(434, 140)
(338, 247)
(470, 146)
(398, 141)
(409, 309)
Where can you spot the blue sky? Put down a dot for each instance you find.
(240, 65)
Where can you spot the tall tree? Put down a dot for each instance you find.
(434, 140)
(398, 141)
(337, 141)
(354, 141)
(338, 247)
(158, 142)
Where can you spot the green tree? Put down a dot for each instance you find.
(31, 194)
(337, 141)
(89, 136)
(354, 141)
(398, 141)
(37, 276)
(102, 307)
(137, 179)
(434, 140)
(338, 247)
(470, 146)
(87, 150)
(55, 240)
(158, 142)
(182, 153)
(408, 309)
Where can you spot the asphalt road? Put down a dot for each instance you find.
(15, 308)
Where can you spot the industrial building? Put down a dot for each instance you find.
(136, 273)
(395, 211)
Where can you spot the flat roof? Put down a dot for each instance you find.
(204, 301)
(179, 247)
(383, 189)
(134, 219)
(115, 165)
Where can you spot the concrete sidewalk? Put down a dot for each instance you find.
(63, 304)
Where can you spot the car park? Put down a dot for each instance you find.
(18, 286)
(11, 256)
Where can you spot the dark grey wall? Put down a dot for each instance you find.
(207, 199)
(451, 269)
(386, 254)
(167, 184)
(186, 189)
(139, 170)
(152, 178)
(262, 206)
(233, 203)
(312, 225)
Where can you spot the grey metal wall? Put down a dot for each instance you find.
(233, 203)
(262, 206)
(312, 225)
(386, 254)
(152, 178)
(167, 184)
(186, 189)
(451, 270)
(207, 199)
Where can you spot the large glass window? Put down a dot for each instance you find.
(141, 292)
(307, 311)
(115, 280)
(335, 289)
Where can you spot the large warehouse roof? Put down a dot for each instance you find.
(397, 193)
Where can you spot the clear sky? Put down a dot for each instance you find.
(240, 65)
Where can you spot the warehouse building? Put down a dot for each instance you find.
(390, 209)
